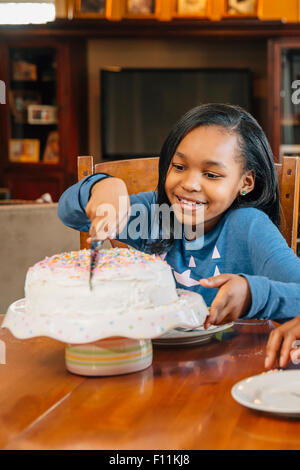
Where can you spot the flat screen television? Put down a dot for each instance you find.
(139, 106)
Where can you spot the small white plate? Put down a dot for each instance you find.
(199, 335)
(273, 392)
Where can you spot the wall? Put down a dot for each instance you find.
(29, 232)
(173, 53)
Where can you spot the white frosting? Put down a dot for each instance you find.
(123, 280)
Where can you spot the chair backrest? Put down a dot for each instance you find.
(288, 175)
(141, 174)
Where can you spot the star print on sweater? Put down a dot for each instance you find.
(192, 263)
(217, 272)
(185, 278)
(216, 253)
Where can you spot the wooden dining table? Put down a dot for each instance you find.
(182, 401)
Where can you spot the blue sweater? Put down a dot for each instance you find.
(244, 242)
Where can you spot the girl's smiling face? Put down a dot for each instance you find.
(206, 175)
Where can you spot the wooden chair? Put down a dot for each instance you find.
(141, 175)
(288, 175)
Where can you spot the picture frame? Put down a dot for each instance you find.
(51, 152)
(89, 8)
(24, 150)
(241, 8)
(192, 8)
(23, 70)
(20, 100)
(42, 114)
(140, 8)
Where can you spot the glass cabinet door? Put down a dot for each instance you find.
(34, 136)
(290, 102)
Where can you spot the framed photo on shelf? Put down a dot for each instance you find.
(42, 114)
(89, 8)
(51, 152)
(241, 8)
(23, 71)
(20, 100)
(140, 8)
(24, 150)
(192, 8)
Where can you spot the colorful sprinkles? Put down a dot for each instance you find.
(106, 259)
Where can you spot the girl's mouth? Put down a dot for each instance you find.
(189, 205)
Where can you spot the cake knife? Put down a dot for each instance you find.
(95, 247)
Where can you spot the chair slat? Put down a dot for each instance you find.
(289, 199)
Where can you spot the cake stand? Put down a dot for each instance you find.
(108, 344)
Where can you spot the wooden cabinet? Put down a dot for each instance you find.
(284, 96)
(58, 50)
(43, 123)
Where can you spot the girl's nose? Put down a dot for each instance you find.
(191, 183)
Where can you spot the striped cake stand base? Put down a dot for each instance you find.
(111, 356)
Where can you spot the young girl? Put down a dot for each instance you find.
(216, 162)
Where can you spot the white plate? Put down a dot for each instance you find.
(199, 335)
(274, 392)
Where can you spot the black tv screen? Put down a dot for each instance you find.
(139, 106)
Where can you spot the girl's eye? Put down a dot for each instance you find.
(212, 175)
(177, 166)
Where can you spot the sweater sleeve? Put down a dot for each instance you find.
(273, 299)
(275, 283)
(72, 203)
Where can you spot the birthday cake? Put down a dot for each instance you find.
(122, 280)
(133, 296)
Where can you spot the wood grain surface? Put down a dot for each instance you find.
(182, 401)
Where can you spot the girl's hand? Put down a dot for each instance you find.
(108, 208)
(232, 300)
(281, 343)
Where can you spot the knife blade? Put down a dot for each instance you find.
(95, 247)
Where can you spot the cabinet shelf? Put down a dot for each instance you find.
(28, 126)
(30, 82)
(34, 165)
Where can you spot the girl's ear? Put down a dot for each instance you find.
(248, 182)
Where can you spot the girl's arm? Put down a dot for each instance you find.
(270, 286)
(275, 283)
(76, 207)
(273, 299)
(108, 208)
(72, 203)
